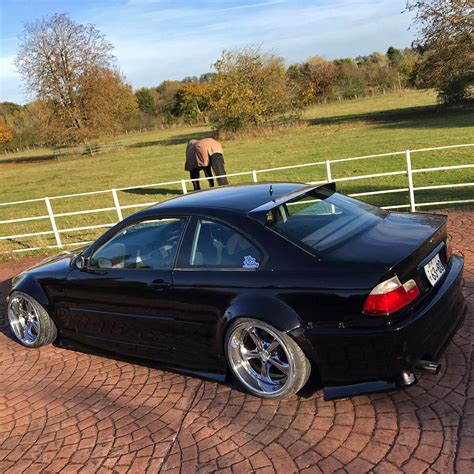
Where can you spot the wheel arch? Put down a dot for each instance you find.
(31, 287)
(265, 308)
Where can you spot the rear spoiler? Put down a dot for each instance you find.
(260, 212)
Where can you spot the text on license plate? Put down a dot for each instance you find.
(434, 270)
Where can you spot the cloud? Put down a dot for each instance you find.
(252, 5)
(170, 39)
(142, 2)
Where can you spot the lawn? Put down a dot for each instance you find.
(393, 122)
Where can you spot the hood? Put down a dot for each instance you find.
(58, 264)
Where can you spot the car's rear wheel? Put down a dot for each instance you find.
(29, 321)
(266, 362)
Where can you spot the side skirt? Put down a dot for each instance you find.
(74, 345)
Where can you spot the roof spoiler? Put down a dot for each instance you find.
(260, 212)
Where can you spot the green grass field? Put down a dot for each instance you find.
(394, 122)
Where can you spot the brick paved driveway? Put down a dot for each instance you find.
(63, 410)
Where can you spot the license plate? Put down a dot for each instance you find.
(434, 270)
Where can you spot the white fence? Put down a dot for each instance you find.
(254, 174)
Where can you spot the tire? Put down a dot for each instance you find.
(265, 361)
(29, 321)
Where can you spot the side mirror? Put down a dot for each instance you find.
(80, 262)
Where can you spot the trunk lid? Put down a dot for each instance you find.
(398, 244)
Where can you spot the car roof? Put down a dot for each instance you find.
(241, 198)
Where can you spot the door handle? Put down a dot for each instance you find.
(159, 285)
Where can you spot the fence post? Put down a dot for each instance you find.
(53, 222)
(183, 185)
(254, 175)
(328, 171)
(410, 182)
(117, 204)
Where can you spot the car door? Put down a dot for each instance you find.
(216, 263)
(122, 300)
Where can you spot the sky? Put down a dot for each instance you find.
(164, 39)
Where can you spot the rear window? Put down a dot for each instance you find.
(322, 219)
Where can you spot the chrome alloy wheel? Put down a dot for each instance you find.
(259, 358)
(24, 319)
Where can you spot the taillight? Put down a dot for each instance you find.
(390, 296)
(449, 249)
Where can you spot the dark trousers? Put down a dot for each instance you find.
(217, 163)
(194, 174)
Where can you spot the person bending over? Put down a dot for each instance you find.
(195, 162)
(212, 150)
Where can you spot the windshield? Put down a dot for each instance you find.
(322, 219)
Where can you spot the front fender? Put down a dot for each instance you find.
(29, 285)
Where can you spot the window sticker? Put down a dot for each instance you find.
(250, 263)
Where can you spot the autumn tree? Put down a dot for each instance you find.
(250, 88)
(5, 134)
(446, 36)
(192, 101)
(314, 79)
(66, 65)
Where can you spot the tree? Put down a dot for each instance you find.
(107, 101)
(5, 134)
(192, 101)
(407, 65)
(8, 112)
(379, 75)
(314, 79)
(350, 81)
(167, 93)
(58, 59)
(207, 77)
(250, 88)
(446, 36)
(146, 101)
(393, 55)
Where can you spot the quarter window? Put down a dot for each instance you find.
(150, 244)
(216, 245)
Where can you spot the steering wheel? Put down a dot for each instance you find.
(162, 256)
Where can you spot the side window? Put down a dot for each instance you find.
(150, 244)
(217, 246)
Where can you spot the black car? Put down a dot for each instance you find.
(272, 281)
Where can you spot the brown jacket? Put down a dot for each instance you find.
(192, 160)
(207, 147)
(199, 151)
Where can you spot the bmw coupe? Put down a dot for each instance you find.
(267, 282)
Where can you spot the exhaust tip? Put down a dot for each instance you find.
(408, 378)
(428, 366)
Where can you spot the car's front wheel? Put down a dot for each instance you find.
(29, 321)
(266, 362)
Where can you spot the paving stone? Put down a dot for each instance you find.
(72, 412)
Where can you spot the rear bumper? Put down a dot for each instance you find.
(348, 357)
